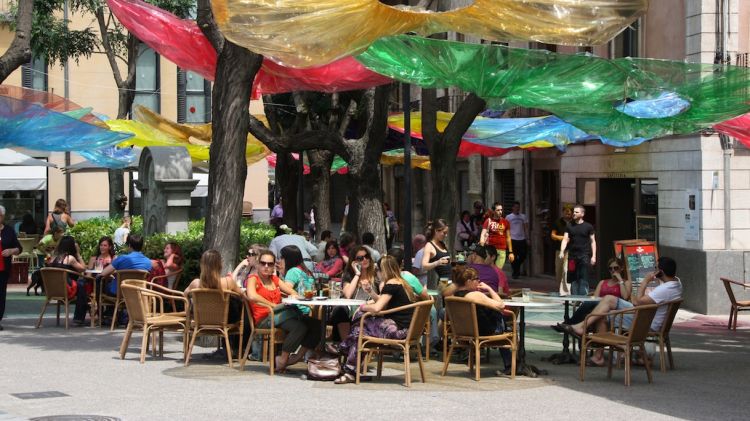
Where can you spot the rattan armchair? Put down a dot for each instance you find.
(210, 309)
(116, 301)
(146, 310)
(622, 341)
(462, 313)
(737, 306)
(55, 281)
(662, 335)
(271, 336)
(369, 345)
(176, 275)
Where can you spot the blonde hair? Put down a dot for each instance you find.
(210, 276)
(391, 270)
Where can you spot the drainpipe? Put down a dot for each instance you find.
(727, 145)
(66, 94)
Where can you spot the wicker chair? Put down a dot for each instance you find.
(271, 336)
(662, 335)
(176, 275)
(55, 281)
(210, 309)
(146, 310)
(737, 306)
(636, 336)
(370, 345)
(465, 333)
(116, 301)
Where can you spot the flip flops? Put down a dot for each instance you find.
(344, 379)
(569, 330)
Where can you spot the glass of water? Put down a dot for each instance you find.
(526, 294)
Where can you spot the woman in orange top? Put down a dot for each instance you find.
(302, 332)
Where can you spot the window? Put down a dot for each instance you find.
(193, 98)
(627, 43)
(34, 74)
(147, 79)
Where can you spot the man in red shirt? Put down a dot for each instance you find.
(496, 233)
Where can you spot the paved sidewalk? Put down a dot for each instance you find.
(709, 382)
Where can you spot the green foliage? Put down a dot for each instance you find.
(89, 231)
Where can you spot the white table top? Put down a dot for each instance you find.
(326, 302)
(520, 303)
(578, 298)
(93, 271)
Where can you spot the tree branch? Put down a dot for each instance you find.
(470, 107)
(19, 51)
(208, 25)
(108, 47)
(298, 142)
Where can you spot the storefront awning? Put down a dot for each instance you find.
(15, 178)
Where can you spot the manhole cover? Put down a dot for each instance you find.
(39, 395)
(75, 418)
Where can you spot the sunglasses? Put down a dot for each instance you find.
(252, 253)
(360, 258)
(614, 268)
(267, 264)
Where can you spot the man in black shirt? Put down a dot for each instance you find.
(582, 250)
(561, 259)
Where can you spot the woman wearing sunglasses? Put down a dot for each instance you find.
(248, 266)
(616, 285)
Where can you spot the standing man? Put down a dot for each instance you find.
(277, 217)
(519, 234)
(561, 257)
(496, 232)
(477, 218)
(580, 235)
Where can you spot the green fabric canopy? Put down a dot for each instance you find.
(581, 89)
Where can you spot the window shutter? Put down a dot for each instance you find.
(181, 96)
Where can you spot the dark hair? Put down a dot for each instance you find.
(326, 234)
(266, 252)
(668, 266)
(433, 226)
(496, 204)
(330, 244)
(66, 246)
(463, 213)
(490, 250)
(462, 275)
(292, 256)
(481, 252)
(516, 203)
(398, 254)
(177, 252)
(346, 240)
(353, 254)
(106, 239)
(368, 238)
(135, 242)
(27, 225)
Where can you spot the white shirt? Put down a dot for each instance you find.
(120, 235)
(517, 223)
(668, 291)
(421, 275)
(305, 247)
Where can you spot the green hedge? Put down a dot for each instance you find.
(88, 232)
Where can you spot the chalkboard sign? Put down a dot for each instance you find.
(645, 227)
(640, 260)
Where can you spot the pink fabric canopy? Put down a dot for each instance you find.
(182, 42)
(738, 127)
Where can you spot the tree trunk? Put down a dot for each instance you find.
(320, 170)
(19, 51)
(125, 97)
(443, 151)
(227, 164)
(287, 179)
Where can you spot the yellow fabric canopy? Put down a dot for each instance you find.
(306, 33)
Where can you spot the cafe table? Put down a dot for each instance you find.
(521, 367)
(326, 303)
(566, 357)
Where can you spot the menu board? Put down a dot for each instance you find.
(646, 227)
(640, 260)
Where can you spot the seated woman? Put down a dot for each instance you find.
(68, 256)
(172, 262)
(489, 320)
(302, 332)
(105, 254)
(248, 266)
(292, 268)
(332, 264)
(359, 283)
(395, 293)
(616, 286)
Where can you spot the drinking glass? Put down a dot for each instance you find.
(99, 265)
(526, 294)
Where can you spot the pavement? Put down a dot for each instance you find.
(48, 373)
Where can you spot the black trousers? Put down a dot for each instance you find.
(303, 331)
(4, 275)
(520, 251)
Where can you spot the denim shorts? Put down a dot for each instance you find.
(627, 319)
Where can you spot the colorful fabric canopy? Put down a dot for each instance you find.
(304, 33)
(581, 89)
(738, 128)
(33, 126)
(152, 129)
(182, 42)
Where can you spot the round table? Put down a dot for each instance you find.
(565, 356)
(325, 302)
(521, 367)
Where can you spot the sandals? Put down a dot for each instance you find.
(569, 330)
(344, 379)
(591, 363)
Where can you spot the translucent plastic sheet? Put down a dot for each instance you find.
(738, 128)
(396, 157)
(152, 129)
(582, 90)
(110, 157)
(182, 42)
(32, 126)
(338, 165)
(305, 33)
(667, 104)
(50, 101)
